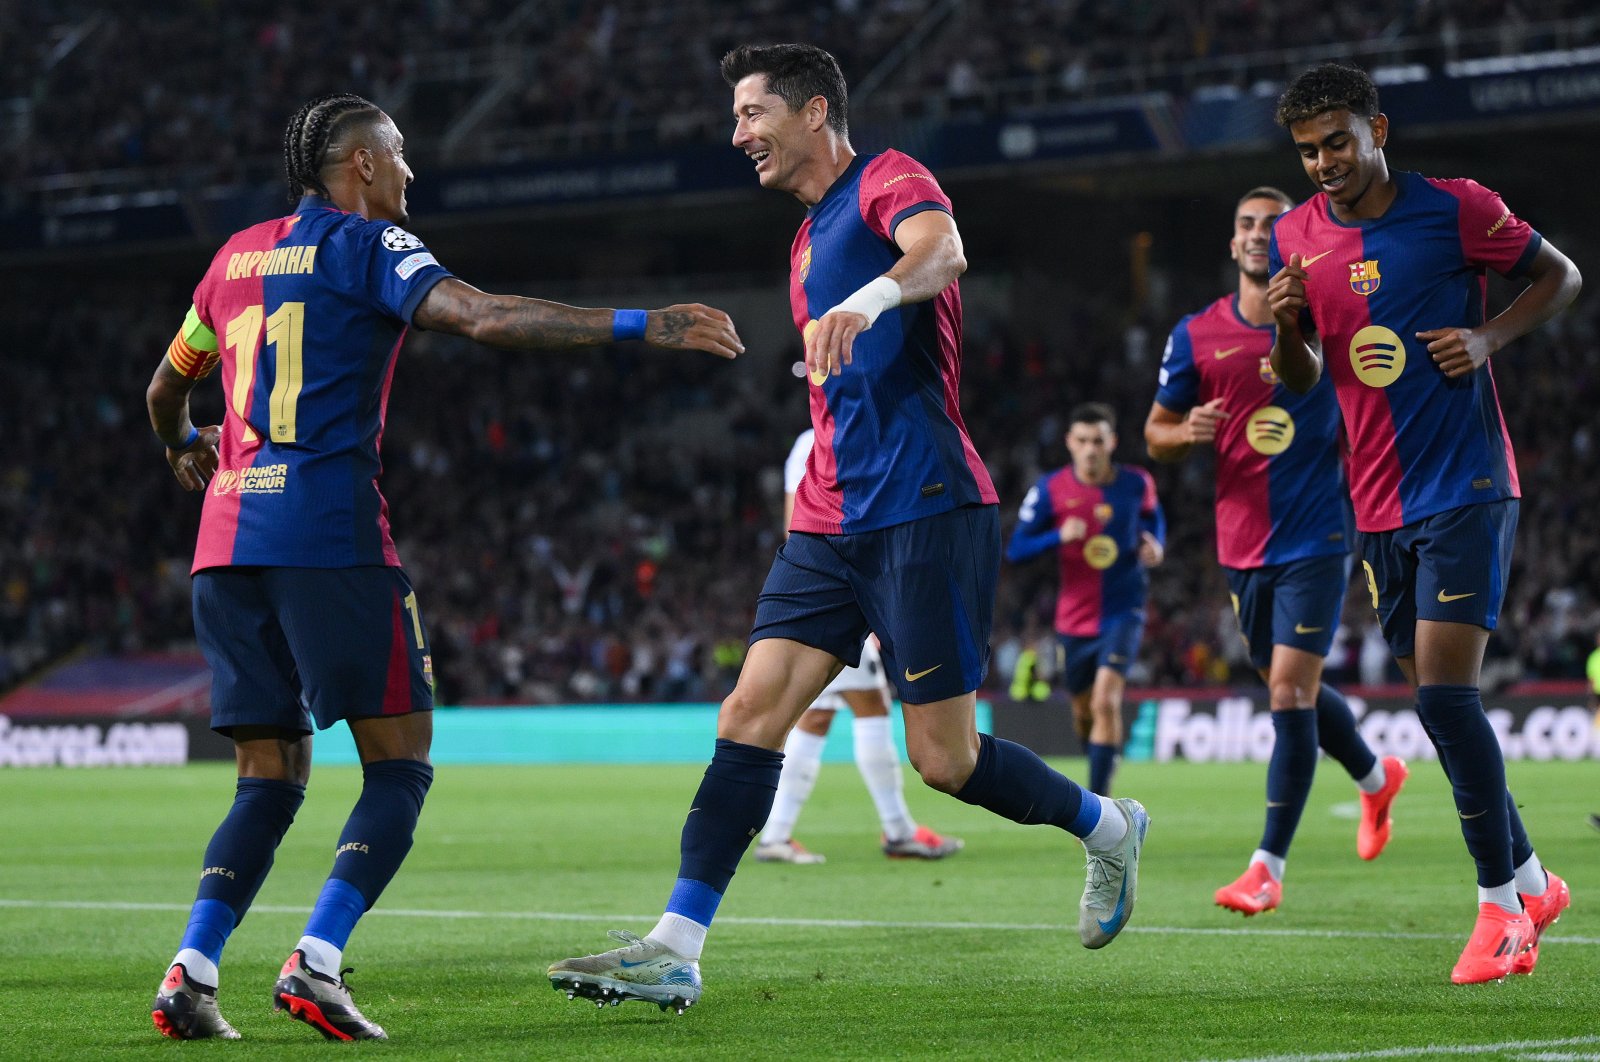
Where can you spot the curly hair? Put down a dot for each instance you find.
(1329, 87)
(306, 138)
(796, 73)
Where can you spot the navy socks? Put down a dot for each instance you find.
(1472, 760)
(1338, 736)
(1014, 783)
(730, 807)
(1289, 774)
(238, 858)
(374, 843)
(1102, 765)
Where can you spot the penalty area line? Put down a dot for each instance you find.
(1432, 1050)
(1238, 932)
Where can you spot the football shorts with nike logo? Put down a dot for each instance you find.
(1452, 566)
(1295, 604)
(1115, 647)
(925, 587)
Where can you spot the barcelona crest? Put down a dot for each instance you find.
(1102, 512)
(1264, 370)
(1364, 278)
(805, 264)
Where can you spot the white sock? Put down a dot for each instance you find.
(200, 968)
(879, 763)
(1374, 779)
(1111, 828)
(1531, 879)
(682, 935)
(321, 956)
(1504, 896)
(1273, 863)
(802, 762)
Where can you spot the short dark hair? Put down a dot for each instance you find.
(1329, 87)
(795, 72)
(1265, 191)
(1092, 413)
(313, 127)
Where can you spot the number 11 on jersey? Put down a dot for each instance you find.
(285, 331)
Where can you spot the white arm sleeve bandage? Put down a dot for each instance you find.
(871, 299)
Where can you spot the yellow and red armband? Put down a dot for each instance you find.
(193, 351)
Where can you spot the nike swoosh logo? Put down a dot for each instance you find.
(1479, 815)
(1445, 599)
(1314, 258)
(1220, 354)
(1116, 912)
(630, 965)
(1301, 628)
(1277, 803)
(912, 678)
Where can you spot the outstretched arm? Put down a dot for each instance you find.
(516, 323)
(933, 259)
(1556, 282)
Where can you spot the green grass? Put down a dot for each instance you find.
(522, 859)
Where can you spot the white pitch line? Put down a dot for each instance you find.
(812, 923)
(1433, 1049)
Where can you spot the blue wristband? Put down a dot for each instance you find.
(194, 433)
(628, 324)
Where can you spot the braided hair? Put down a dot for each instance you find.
(305, 141)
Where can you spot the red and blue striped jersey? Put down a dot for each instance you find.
(890, 445)
(1279, 483)
(1101, 577)
(309, 312)
(1420, 443)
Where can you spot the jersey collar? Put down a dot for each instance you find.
(839, 183)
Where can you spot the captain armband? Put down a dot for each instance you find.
(193, 351)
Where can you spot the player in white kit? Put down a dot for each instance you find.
(865, 693)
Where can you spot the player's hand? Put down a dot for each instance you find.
(1150, 551)
(1286, 294)
(195, 464)
(829, 348)
(1201, 425)
(1073, 528)
(1458, 351)
(691, 326)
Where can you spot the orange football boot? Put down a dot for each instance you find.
(1255, 891)
(1496, 941)
(1543, 911)
(1373, 833)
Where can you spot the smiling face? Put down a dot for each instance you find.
(386, 196)
(1252, 235)
(1343, 155)
(782, 143)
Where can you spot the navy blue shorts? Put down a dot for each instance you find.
(1295, 604)
(289, 645)
(1115, 647)
(925, 587)
(1452, 566)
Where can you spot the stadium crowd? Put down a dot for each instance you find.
(177, 87)
(597, 528)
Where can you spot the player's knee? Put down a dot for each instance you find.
(1289, 693)
(943, 770)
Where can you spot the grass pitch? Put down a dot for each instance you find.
(975, 957)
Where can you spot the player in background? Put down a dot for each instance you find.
(1388, 270)
(1282, 523)
(1591, 669)
(863, 691)
(895, 530)
(300, 604)
(1106, 527)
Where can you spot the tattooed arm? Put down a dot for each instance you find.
(515, 323)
